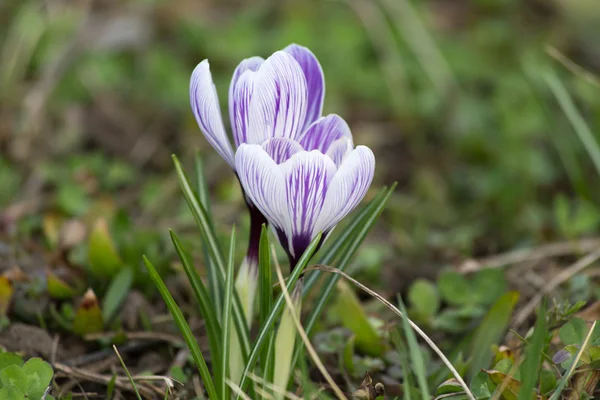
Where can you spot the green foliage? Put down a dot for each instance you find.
(19, 381)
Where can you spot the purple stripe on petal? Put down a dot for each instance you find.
(347, 188)
(339, 149)
(315, 81)
(323, 132)
(278, 104)
(239, 97)
(205, 106)
(262, 181)
(307, 177)
(239, 106)
(281, 149)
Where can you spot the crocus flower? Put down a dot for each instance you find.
(291, 79)
(304, 192)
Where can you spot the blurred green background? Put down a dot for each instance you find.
(477, 108)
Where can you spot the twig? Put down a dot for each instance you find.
(569, 64)
(532, 254)
(121, 382)
(563, 276)
(327, 268)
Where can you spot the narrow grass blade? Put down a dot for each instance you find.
(579, 125)
(533, 355)
(204, 199)
(267, 326)
(207, 310)
(341, 242)
(565, 378)
(137, 393)
(184, 328)
(490, 331)
(404, 363)
(354, 241)
(208, 234)
(227, 304)
(265, 301)
(416, 357)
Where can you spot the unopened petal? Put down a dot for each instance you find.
(205, 106)
(339, 149)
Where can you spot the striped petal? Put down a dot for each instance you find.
(240, 91)
(281, 149)
(347, 188)
(262, 181)
(339, 149)
(315, 81)
(323, 132)
(205, 106)
(278, 103)
(307, 178)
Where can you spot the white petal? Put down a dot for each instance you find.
(240, 91)
(278, 103)
(205, 106)
(339, 149)
(347, 188)
(323, 132)
(307, 177)
(263, 182)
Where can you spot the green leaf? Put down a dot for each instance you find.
(269, 323)
(102, 254)
(512, 387)
(14, 375)
(488, 285)
(480, 386)
(185, 330)
(490, 331)
(533, 356)
(347, 356)
(454, 288)
(39, 375)
(416, 356)
(57, 288)
(207, 310)
(354, 318)
(11, 393)
(573, 332)
(424, 298)
(116, 293)
(7, 359)
(210, 238)
(227, 302)
(547, 381)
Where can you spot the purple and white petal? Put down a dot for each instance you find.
(281, 149)
(307, 178)
(323, 132)
(262, 181)
(278, 103)
(339, 149)
(315, 81)
(240, 91)
(347, 188)
(205, 106)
